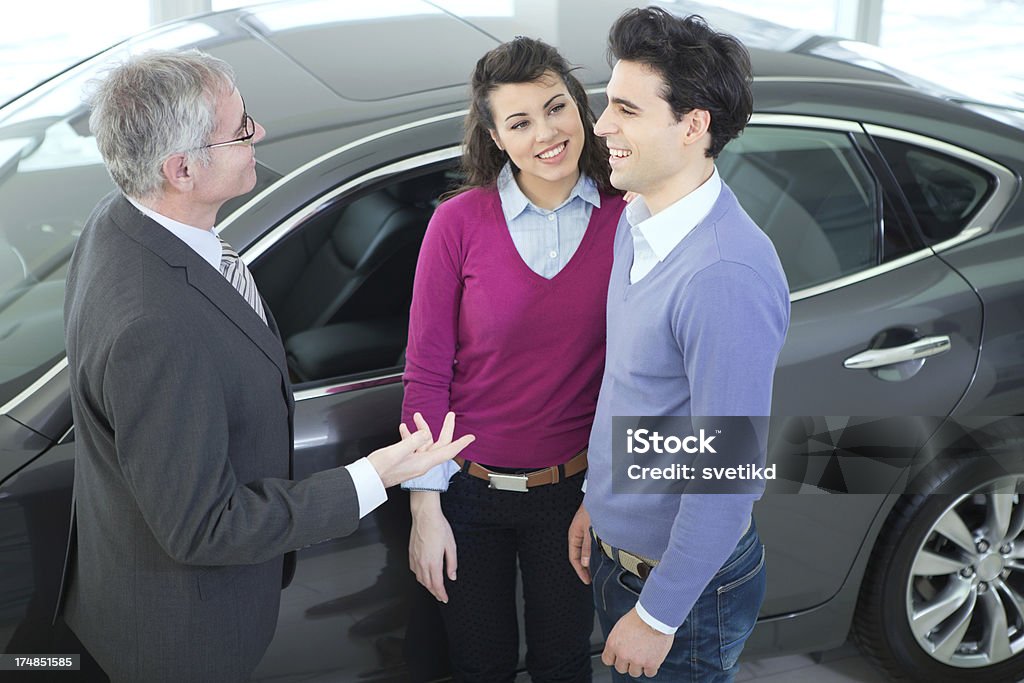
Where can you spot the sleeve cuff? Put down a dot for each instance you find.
(654, 623)
(583, 489)
(369, 488)
(436, 478)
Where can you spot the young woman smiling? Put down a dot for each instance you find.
(507, 329)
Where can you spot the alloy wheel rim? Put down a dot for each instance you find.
(965, 592)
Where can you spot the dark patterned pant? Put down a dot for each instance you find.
(492, 529)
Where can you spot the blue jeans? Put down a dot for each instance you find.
(708, 644)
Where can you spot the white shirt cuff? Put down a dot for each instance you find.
(654, 623)
(369, 488)
(583, 489)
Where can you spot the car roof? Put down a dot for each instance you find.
(319, 73)
(435, 44)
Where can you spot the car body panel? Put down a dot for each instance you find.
(34, 512)
(308, 32)
(993, 266)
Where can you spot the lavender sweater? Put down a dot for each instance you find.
(516, 356)
(699, 335)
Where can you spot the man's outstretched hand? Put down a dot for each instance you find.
(417, 452)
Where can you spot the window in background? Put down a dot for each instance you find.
(813, 15)
(972, 46)
(219, 5)
(41, 39)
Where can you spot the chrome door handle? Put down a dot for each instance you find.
(876, 358)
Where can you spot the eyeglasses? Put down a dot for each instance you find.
(250, 131)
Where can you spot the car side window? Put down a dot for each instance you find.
(943, 192)
(810, 191)
(340, 286)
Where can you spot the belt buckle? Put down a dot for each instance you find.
(507, 482)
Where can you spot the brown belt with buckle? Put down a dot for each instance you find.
(526, 480)
(637, 565)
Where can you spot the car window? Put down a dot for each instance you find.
(810, 191)
(943, 192)
(340, 286)
(51, 177)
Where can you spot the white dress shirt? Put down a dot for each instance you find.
(654, 237)
(369, 488)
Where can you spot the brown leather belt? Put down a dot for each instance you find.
(526, 480)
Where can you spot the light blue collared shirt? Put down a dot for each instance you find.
(546, 241)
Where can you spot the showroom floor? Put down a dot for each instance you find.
(842, 665)
(318, 577)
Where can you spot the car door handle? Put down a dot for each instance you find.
(876, 358)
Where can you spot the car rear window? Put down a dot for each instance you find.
(811, 193)
(944, 193)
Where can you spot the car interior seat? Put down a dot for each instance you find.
(348, 310)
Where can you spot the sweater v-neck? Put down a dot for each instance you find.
(720, 207)
(513, 254)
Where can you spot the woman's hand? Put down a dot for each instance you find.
(431, 543)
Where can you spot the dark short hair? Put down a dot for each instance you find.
(523, 60)
(701, 68)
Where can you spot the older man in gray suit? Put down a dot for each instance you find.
(181, 400)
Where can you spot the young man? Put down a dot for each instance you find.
(698, 308)
(180, 395)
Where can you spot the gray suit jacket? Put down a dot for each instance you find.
(183, 433)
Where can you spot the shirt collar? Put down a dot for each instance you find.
(514, 202)
(668, 228)
(202, 241)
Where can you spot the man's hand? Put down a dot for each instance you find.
(579, 544)
(431, 543)
(635, 648)
(417, 452)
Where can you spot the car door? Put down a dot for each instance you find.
(880, 326)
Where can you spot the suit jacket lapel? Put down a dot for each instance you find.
(209, 282)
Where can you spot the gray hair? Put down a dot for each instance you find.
(154, 105)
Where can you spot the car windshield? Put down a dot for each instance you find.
(51, 177)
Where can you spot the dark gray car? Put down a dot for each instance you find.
(896, 212)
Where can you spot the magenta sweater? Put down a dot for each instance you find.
(517, 357)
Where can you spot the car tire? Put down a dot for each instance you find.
(900, 598)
